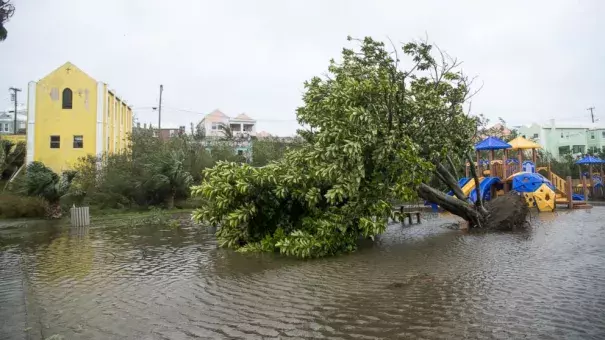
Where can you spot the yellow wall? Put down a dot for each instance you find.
(52, 119)
(117, 124)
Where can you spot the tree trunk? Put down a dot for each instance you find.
(447, 178)
(170, 201)
(54, 211)
(502, 213)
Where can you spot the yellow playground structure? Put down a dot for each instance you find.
(499, 176)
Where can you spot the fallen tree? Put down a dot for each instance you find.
(373, 131)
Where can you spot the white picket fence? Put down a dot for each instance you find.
(80, 216)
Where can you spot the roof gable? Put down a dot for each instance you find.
(67, 68)
(243, 116)
(217, 113)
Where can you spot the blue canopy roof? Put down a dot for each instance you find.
(590, 160)
(492, 143)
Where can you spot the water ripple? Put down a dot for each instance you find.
(415, 282)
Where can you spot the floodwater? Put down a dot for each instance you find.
(423, 281)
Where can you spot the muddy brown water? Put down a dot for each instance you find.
(424, 281)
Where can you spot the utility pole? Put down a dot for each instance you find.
(15, 99)
(160, 110)
(591, 109)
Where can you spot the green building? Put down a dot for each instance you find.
(561, 139)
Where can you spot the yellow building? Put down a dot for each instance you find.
(71, 115)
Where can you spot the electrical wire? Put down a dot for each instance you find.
(168, 109)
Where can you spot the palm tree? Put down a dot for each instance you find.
(41, 181)
(200, 132)
(12, 157)
(227, 132)
(169, 174)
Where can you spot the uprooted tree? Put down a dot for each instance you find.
(375, 134)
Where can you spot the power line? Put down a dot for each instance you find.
(174, 109)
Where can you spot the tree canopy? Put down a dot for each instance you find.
(7, 9)
(374, 131)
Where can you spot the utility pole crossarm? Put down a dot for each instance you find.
(591, 109)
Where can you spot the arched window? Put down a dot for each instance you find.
(67, 98)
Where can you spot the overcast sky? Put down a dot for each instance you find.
(537, 59)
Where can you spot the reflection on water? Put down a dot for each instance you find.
(421, 281)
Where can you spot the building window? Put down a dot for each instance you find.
(215, 126)
(78, 142)
(55, 142)
(562, 135)
(603, 134)
(564, 150)
(578, 149)
(67, 98)
(5, 127)
(535, 135)
(592, 135)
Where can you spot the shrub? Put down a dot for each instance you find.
(13, 206)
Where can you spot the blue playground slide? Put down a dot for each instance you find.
(485, 188)
(577, 197)
(461, 182)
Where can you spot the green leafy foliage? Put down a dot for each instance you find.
(563, 167)
(12, 157)
(168, 174)
(14, 206)
(151, 173)
(7, 9)
(373, 132)
(41, 181)
(270, 149)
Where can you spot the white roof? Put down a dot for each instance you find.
(567, 125)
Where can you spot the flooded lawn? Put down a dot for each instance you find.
(422, 281)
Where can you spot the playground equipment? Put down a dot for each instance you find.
(500, 176)
(595, 179)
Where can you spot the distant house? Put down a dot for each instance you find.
(167, 133)
(241, 125)
(7, 122)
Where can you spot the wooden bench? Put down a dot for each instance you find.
(408, 215)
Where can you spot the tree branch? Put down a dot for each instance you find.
(450, 181)
(455, 172)
(479, 200)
